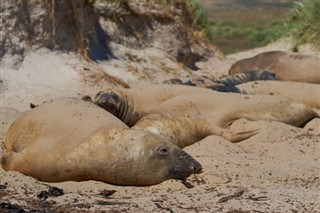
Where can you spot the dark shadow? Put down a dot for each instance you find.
(189, 59)
(98, 47)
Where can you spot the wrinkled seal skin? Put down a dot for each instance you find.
(240, 78)
(73, 140)
(225, 84)
(305, 93)
(285, 66)
(228, 84)
(186, 119)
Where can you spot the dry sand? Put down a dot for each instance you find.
(276, 170)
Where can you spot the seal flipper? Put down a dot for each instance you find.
(223, 131)
(9, 160)
(235, 137)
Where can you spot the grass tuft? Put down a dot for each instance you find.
(303, 23)
(199, 16)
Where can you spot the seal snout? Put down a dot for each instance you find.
(186, 166)
(193, 165)
(196, 168)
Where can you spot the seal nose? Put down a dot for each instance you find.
(193, 165)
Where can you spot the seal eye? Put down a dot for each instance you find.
(163, 150)
(98, 94)
(115, 97)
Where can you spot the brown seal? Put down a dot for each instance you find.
(69, 139)
(285, 66)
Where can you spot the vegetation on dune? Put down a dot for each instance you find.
(256, 33)
(303, 23)
(199, 16)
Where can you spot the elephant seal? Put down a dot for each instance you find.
(171, 111)
(73, 140)
(184, 120)
(285, 66)
(305, 93)
(130, 105)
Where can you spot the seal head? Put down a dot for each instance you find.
(109, 101)
(152, 160)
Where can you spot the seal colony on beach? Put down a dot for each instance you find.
(69, 139)
(185, 115)
(285, 66)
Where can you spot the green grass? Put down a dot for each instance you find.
(234, 36)
(303, 23)
(199, 15)
(256, 33)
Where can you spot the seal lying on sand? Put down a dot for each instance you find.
(69, 139)
(186, 119)
(305, 93)
(285, 66)
(130, 105)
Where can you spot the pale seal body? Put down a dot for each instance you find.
(70, 139)
(130, 105)
(191, 113)
(285, 66)
(305, 93)
(184, 120)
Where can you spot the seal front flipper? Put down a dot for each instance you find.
(12, 159)
(6, 161)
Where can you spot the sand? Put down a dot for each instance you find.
(276, 170)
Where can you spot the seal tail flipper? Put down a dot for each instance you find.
(238, 136)
(317, 111)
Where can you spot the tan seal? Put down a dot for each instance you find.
(184, 120)
(131, 104)
(285, 66)
(185, 115)
(69, 139)
(305, 93)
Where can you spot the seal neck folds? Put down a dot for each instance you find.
(127, 112)
(119, 104)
